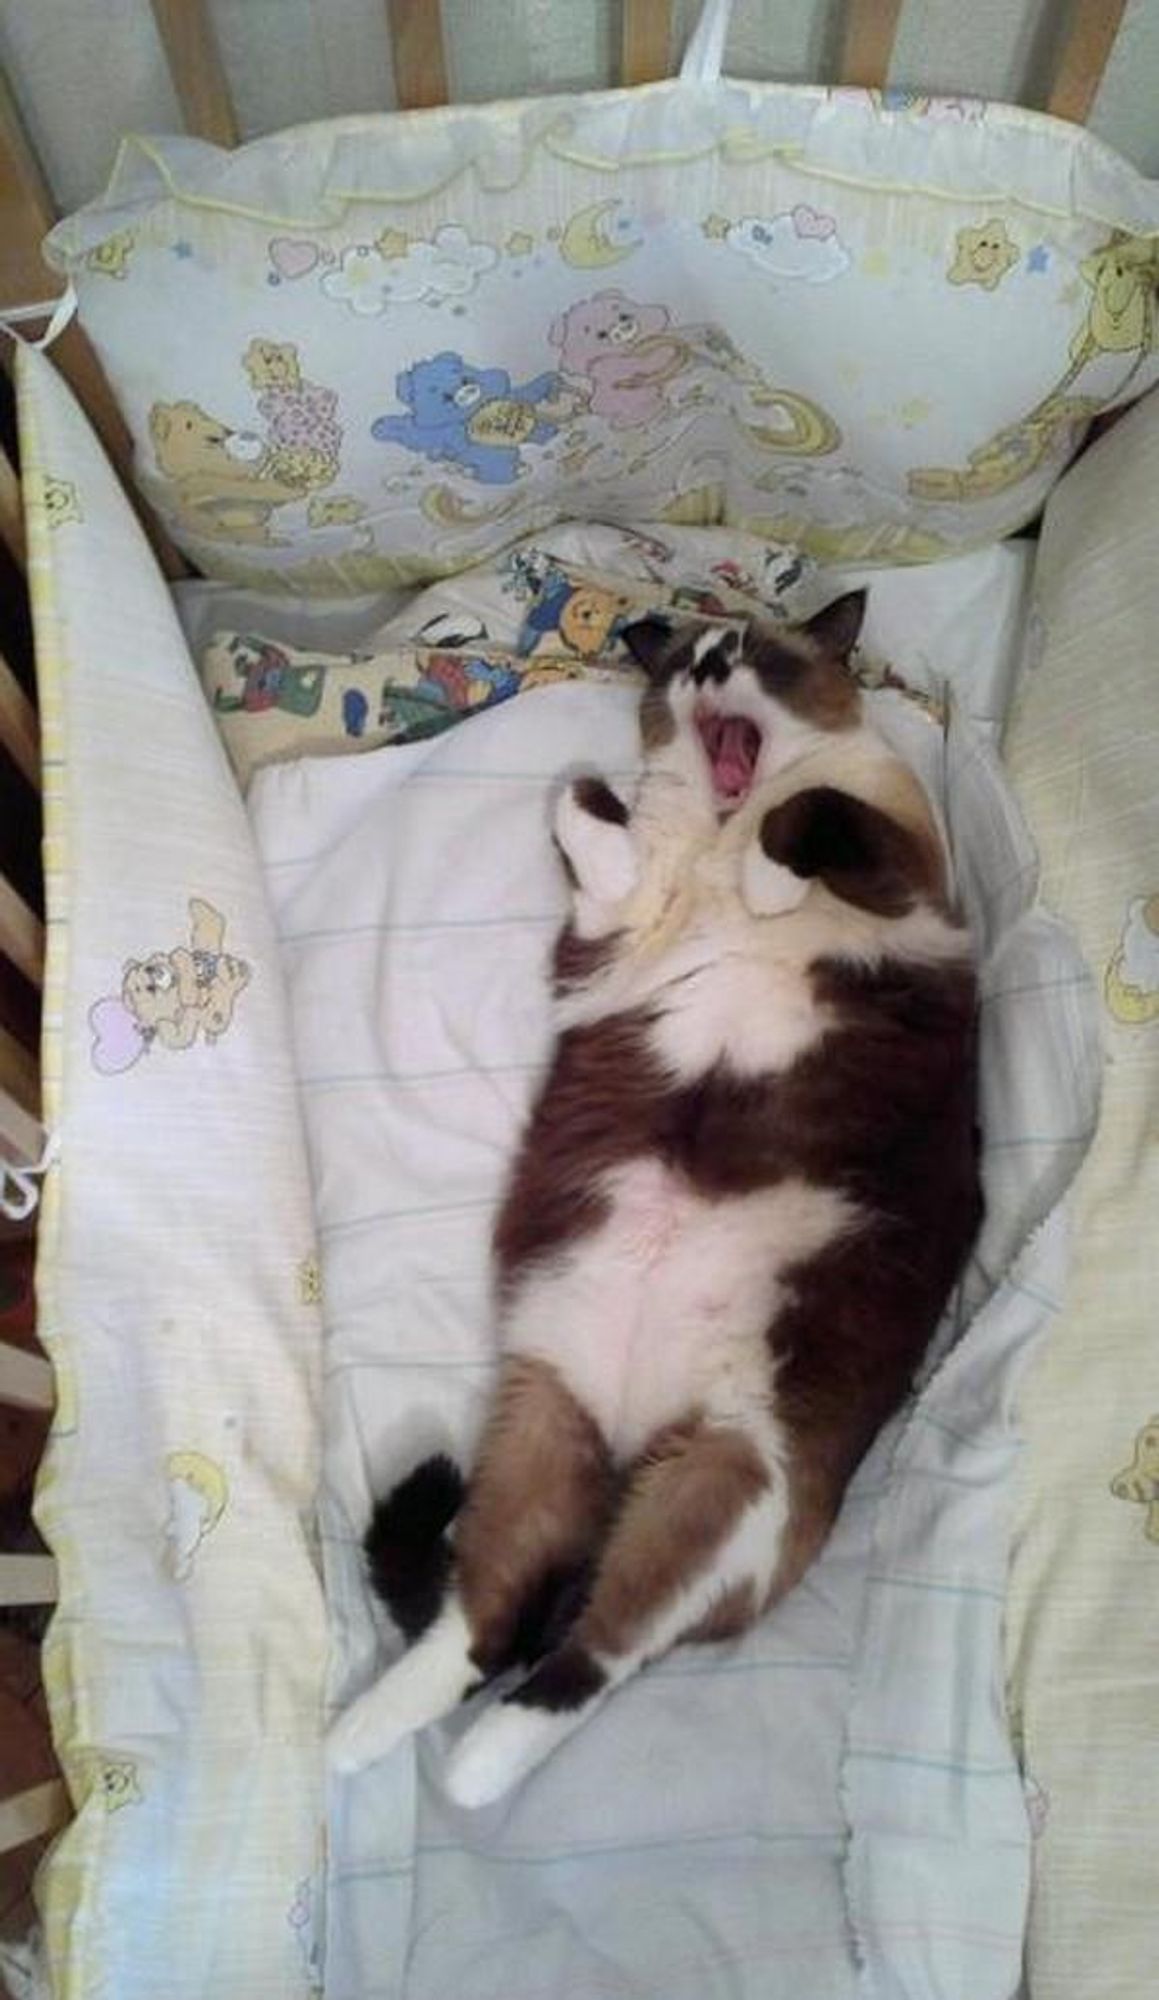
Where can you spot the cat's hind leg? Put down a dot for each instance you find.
(537, 1507)
(694, 1552)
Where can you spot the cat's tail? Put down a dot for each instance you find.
(407, 1546)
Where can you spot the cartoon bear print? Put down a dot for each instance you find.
(304, 439)
(1139, 1481)
(226, 482)
(626, 354)
(582, 616)
(217, 483)
(475, 419)
(170, 997)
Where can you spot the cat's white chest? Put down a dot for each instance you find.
(663, 1310)
(725, 995)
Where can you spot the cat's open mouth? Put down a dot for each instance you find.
(732, 744)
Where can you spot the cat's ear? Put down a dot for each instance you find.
(859, 853)
(836, 629)
(656, 644)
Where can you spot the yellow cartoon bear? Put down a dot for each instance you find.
(176, 994)
(983, 256)
(218, 484)
(170, 997)
(1132, 978)
(198, 1494)
(1139, 1481)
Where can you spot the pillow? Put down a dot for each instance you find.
(370, 352)
(273, 701)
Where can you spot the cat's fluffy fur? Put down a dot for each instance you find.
(740, 1204)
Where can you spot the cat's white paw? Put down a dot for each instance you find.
(500, 1749)
(365, 1733)
(601, 851)
(767, 887)
(426, 1683)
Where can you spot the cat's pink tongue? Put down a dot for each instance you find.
(733, 759)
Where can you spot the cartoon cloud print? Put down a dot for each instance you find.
(801, 242)
(396, 270)
(198, 1495)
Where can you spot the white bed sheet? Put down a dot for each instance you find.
(833, 1800)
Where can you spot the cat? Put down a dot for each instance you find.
(740, 1204)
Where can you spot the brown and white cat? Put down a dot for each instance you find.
(740, 1204)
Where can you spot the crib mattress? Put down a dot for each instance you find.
(832, 1802)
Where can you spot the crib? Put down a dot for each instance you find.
(1075, 1944)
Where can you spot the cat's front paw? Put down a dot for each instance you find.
(593, 834)
(767, 887)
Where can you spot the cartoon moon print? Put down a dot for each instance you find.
(588, 242)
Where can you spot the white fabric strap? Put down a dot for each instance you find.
(19, 1193)
(705, 51)
(58, 313)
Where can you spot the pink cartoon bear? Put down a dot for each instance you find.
(624, 352)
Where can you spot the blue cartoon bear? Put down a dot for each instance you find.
(475, 418)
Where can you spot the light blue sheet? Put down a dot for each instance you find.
(828, 1809)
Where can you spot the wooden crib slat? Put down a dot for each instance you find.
(19, 729)
(420, 62)
(21, 934)
(646, 41)
(25, 1379)
(28, 1815)
(27, 1580)
(1085, 52)
(190, 45)
(18, 1072)
(867, 42)
(11, 512)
